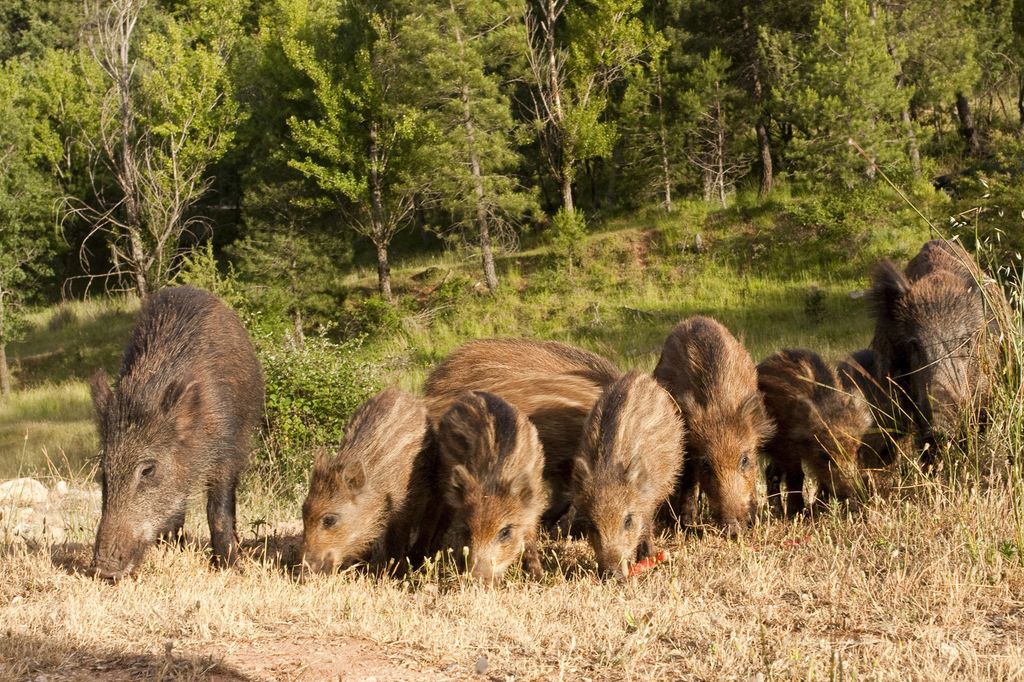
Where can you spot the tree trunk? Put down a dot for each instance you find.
(482, 219)
(967, 130)
(567, 202)
(379, 225)
(765, 149)
(384, 273)
(5, 376)
(666, 170)
(913, 151)
(1020, 104)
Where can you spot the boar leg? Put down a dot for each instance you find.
(773, 485)
(686, 495)
(175, 534)
(531, 558)
(794, 491)
(220, 512)
(396, 545)
(645, 547)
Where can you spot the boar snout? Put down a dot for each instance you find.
(613, 565)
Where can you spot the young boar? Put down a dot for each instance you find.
(937, 338)
(629, 458)
(822, 420)
(493, 465)
(714, 382)
(552, 383)
(179, 419)
(367, 501)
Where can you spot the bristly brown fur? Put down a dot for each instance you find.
(367, 500)
(938, 330)
(714, 381)
(630, 456)
(179, 419)
(821, 422)
(553, 384)
(493, 466)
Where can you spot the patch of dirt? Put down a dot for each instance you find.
(339, 659)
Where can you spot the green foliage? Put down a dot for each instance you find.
(28, 190)
(312, 390)
(568, 235)
(840, 85)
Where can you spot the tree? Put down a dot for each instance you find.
(575, 56)
(29, 154)
(838, 83)
(364, 147)
(712, 100)
(463, 44)
(165, 114)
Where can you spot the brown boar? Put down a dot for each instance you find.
(714, 382)
(937, 335)
(822, 420)
(553, 384)
(368, 500)
(493, 465)
(629, 458)
(179, 419)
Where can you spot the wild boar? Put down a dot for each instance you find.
(366, 502)
(714, 382)
(553, 384)
(178, 420)
(822, 421)
(938, 338)
(493, 466)
(629, 459)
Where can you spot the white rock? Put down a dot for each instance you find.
(23, 492)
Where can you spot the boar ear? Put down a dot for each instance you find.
(102, 395)
(355, 476)
(581, 471)
(752, 412)
(522, 487)
(888, 287)
(459, 482)
(185, 401)
(636, 472)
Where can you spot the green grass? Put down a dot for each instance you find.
(46, 426)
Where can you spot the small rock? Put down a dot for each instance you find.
(481, 666)
(23, 492)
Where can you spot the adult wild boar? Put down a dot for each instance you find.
(553, 384)
(367, 501)
(179, 419)
(822, 421)
(629, 458)
(714, 382)
(937, 335)
(492, 463)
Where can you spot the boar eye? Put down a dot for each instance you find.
(745, 462)
(147, 469)
(627, 524)
(328, 521)
(505, 534)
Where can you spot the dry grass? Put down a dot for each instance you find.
(926, 585)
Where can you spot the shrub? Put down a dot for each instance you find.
(312, 390)
(568, 234)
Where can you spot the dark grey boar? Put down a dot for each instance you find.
(714, 382)
(822, 422)
(938, 338)
(368, 501)
(493, 466)
(179, 419)
(552, 383)
(630, 456)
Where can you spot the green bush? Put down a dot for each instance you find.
(568, 236)
(312, 390)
